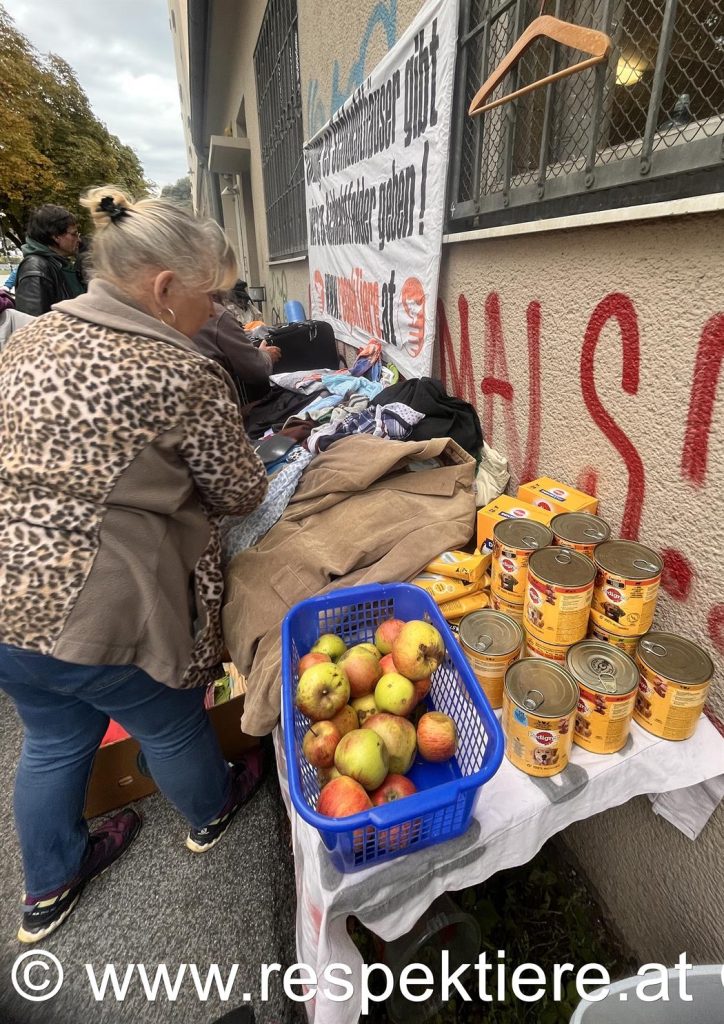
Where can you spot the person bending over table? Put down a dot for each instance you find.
(222, 338)
(120, 446)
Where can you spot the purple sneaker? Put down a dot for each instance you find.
(246, 777)
(43, 915)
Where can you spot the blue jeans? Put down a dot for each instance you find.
(65, 710)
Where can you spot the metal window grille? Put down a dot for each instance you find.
(279, 95)
(647, 124)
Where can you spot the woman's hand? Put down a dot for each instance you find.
(272, 350)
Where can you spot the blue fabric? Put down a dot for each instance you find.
(65, 711)
(346, 384)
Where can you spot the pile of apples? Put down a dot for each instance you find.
(362, 741)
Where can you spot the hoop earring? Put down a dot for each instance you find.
(173, 316)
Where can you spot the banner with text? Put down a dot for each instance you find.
(375, 186)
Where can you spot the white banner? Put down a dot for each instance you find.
(376, 181)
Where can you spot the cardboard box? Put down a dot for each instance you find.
(555, 497)
(461, 565)
(120, 774)
(506, 507)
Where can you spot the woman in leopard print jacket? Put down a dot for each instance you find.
(120, 446)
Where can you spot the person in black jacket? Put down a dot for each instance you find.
(47, 274)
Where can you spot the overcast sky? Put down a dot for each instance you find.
(122, 54)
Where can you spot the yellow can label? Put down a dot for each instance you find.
(540, 649)
(585, 549)
(627, 644)
(490, 672)
(668, 709)
(442, 588)
(556, 615)
(509, 571)
(603, 721)
(515, 611)
(621, 606)
(462, 605)
(538, 746)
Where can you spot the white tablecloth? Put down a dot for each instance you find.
(513, 817)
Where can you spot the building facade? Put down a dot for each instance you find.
(581, 306)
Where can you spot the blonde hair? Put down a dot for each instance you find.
(132, 236)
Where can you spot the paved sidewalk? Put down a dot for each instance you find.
(161, 904)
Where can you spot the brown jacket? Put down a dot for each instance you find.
(120, 446)
(358, 516)
(223, 339)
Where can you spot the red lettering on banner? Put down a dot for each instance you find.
(701, 404)
(678, 575)
(496, 383)
(619, 307)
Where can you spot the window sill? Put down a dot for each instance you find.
(287, 259)
(648, 211)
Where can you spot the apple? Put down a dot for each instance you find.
(422, 688)
(343, 797)
(386, 633)
(418, 650)
(331, 645)
(387, 664)
(395, 787)
(322, 691)
(372, 649)
(345, 720)
(325, 775)
(362, 755)
(437, 736)
(319, 744)
(313, 658)
(399, 737)
(363, 670)
(364, 706)
(395, 694)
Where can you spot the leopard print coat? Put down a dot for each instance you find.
(120, 448)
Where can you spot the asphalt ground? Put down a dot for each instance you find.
(158, 905)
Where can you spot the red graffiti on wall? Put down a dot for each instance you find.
(679, 574)
(709, 359)
(496, 382)
(620, 308)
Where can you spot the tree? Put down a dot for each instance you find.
(180, 192)
(52, 146)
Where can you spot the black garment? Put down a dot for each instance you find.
(273, 411)
(445, 415)
(40, 284)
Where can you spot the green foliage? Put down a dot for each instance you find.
(541, 913)
(180, 192)
(52, 146)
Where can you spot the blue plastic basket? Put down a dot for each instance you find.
(443, 805)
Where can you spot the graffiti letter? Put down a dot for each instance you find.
(701, 404)
(463, 378)
(496, 382)
(617, 307)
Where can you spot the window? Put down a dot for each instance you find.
(646, 125)
(279, 98)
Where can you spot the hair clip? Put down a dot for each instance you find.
(108, 205)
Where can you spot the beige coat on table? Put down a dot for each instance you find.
(359, 516)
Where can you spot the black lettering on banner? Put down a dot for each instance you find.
(421, 86)
(331, 299)
(365, 126)
(396, 206)
(423, 187)
(388, 308)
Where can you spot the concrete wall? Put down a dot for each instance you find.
(592, 356)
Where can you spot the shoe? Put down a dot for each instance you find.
(246, 777)
(106, 844)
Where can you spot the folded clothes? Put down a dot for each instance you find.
(394, 421)
(346, 384)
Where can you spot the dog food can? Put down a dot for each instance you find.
(536, 648)
(627, 585)
(539, 707)
(579, 531)
(558, 596)
(514, 611)
(673, 686)
(627, 644)
(608, 682)
(514, 540)
(491, 642)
